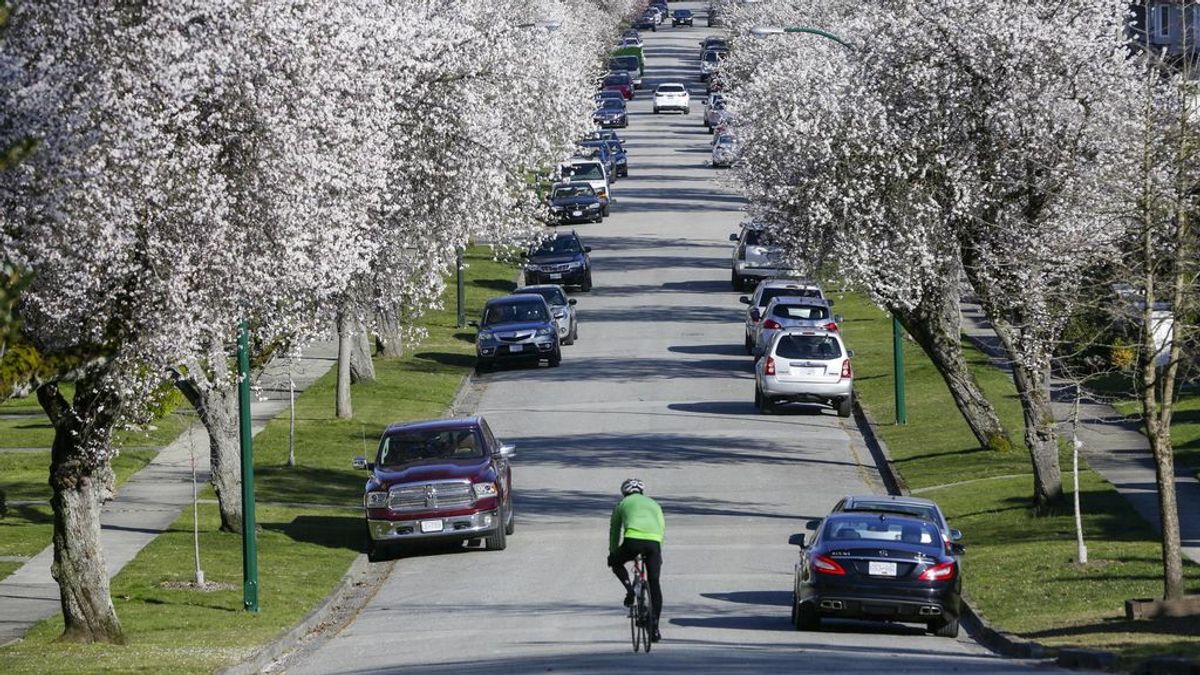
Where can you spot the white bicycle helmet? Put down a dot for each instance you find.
(632, 485)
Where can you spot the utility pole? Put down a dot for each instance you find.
(898, 371)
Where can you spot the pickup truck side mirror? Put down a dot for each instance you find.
(507, 451)
(796, 540)
(362, 463)
(744, 300)
(813, 524)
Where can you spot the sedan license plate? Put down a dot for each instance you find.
(516, 348)
(555, 276)
(431, 526)
(881, 569)
(577, 213)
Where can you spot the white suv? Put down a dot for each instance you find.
(769, 289)
(672, 96)
(803, 365)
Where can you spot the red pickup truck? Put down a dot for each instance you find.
(439, 479)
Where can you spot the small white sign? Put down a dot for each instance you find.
(436, 526)
(881, 569)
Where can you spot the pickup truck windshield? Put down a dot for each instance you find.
(415, 446)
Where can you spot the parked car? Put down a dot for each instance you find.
(632, 34)
(711, 42)
(682, 17)
(446, 479)
(574, 202)
(592, 172)
(599, 153)
(710, 63)
(646, 21)
(627, 63)
(621, 82)
(903, 505)
(788, 311)
(876, 566)
(672, 96)
(619, 165)
(714, 17)
(611, 113)
(561, 259)
(715, 83)
(602, 96)
(724, 151)
(769, 289)
(562, 308)
(516, 328)
(606, 134)
(756, 256)
(800, 365)
(715, 115)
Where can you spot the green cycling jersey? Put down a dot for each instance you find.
(637, 517)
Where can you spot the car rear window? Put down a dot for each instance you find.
(405, 447)
(617, 78)
(671, 88)
(808, 347)
(919, 533)
(890, 507)
(809, 312)
(769, 293)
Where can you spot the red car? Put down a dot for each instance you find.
(440, 479)
(619, 82)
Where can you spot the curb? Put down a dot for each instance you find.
(284, 643)
(998, 641)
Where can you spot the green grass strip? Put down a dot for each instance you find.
(303, 551)
(1019, 568)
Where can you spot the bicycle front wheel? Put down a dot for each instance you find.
(634, 634)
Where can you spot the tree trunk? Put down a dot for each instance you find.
(936, 325)
(345, 328)
(217, 405)
(387, 335)
(81, 480)
(1041, 436)
(362, 368)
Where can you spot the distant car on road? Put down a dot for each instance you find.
(711, 42)
(446, 479)
(620, 81)
(757, 256)
(516, 328)
(682, 17)
(614, 150)
(903, 505)
(611, 113)
(876, 566)
(562, 259)
(724, 151)
(710, 62)
(647, 21)
(715, 114)
(804, 366)
(562, 308)
(574, 202)
(591, 171)
(672, 96)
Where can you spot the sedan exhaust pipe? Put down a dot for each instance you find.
(832, 604)
(930, 611)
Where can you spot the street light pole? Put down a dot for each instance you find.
(249, 536)
(764, 31)
(462, 306)
(898, 371)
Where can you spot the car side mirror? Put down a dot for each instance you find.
(796, 540)
(838, 318)
(955, 535)
(849, 353)
(572, 301)
(755, 314)
(744, 300)
(473, 324)
(830, 302)
(733, 237)
(507, 451)
(957, 549)
(813, 524)
(362, 463)
(587, 249)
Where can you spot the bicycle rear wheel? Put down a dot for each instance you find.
(634, 632)
(643, 611)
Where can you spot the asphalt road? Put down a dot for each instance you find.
(656, 387)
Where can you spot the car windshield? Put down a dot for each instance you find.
(554, 296)
(808, 347)
(712, 56)
(583, 172)
(614, 146)
(683, 12)
(558, 245)
(809, 312)
(757, 237)
(725, 141)
(572, 191)
(624, 63)
(413, 446)
(925, 512)
(514, 312)
(612, 104)
(918, 533)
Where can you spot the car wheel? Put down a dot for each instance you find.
(757, 398)
(377, 551)
(587, 283)
(749, 345)
(844, 407)
(604, 211)
(655, 110)
(687, 111)
(498, 540)
(807, 617)
(556, 357)
(711, 130)
(481, 368)
(598, 219)
(568, 340)
(734, 279)
(947, 628)
(574, 333)
(511, 525)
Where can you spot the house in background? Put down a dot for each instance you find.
(1167, 27)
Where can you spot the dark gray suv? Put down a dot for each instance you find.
(516, 328)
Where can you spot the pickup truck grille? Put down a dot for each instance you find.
(428, 496)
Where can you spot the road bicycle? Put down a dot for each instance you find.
(639, 612)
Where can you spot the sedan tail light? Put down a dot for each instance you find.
(825, 565)
(769, 368)
(847, 373)
(940, 572)
(771, 324)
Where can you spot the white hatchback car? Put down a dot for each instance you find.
(768, 290)
(802, 365)
(672, 96)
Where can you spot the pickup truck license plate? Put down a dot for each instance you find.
(516, 348)
(431, 526)
(881, 569)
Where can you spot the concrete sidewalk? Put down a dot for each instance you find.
(151, 499)
(1112, 446)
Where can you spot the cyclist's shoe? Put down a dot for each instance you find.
(629, 598)
(655, 636)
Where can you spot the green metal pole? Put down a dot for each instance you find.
(898, 371)
(462, 304)
(249, 536)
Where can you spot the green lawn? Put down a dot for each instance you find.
(304, 550)
(1019, 568)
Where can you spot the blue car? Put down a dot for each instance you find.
(516, 328)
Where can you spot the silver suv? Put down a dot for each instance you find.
(786, 311)
(562, 308)
(757, 257)
(765, 292)
(809, 366)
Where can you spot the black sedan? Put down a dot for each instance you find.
(646, 22)
(611, 113)
(877, 566)
(574, 203)
(682, 17)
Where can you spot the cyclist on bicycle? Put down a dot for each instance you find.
(640, 519)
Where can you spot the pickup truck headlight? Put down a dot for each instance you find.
(377, 500)
(482, 490)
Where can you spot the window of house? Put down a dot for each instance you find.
(1162, 21)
